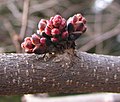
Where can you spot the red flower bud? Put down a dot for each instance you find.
(74, 19)
(42, 24)
(55, 31)
(63, 24)
(27, 45)
(43, 40)
(49, 24)
(84, 20)
(43, 20)
(79, 16)
(65, 35)
(57, 20)
(79, 26)
(57, 17)
(35, 39)
(51, 19)
(48, 31)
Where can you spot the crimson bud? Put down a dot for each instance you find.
(55, 32)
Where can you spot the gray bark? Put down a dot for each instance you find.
(63, 73)
(97, 97)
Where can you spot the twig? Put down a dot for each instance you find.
(42, 6)
(97, 30)
(100, 38)
(74, 8)
(24, 19)
(14, 9)
(4, 2)
(13, 35)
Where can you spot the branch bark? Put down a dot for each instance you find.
(97, 97)
(63, 73)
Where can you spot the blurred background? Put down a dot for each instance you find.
(19, 18)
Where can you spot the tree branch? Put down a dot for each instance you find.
(63, 73)
(24, 18)
(100, 38)
(14, 36)
(97, 97)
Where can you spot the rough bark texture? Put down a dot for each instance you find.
(64, 73)
(97, 97)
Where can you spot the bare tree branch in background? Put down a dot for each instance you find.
(42, 6)
(14, 9)
(100, 38)
(24, 19)
(98, 31)
(14, 36)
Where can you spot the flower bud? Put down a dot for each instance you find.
(63, 24)
(27, 45)
(79, 26)
(55, 32)
(35, 39)
(79, 16)
(43, 20)
(84, 20)
(42, 24)
(74, 19)
(43, 40)
(65, 35)
(48, 31)
(51, 19)
(43, 34)
(57, 20)
(49, 24)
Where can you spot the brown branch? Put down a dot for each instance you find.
(99, 97)
(100, 38)
(24, 19)
(64, 73)
(14, 10)
(43, 6)
(97, 30)
(13, 35)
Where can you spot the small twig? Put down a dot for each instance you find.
(13, 35)
(74, 8)
(97, 30)
(24, 19)
(43, 6)
(100, 38)
(14, 10)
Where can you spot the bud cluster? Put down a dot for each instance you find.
(78, 22)
(55, 33)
